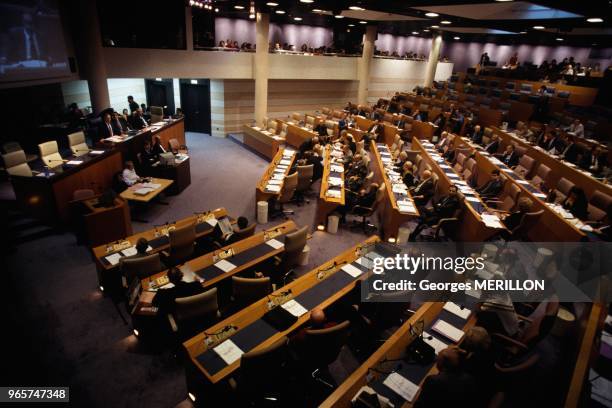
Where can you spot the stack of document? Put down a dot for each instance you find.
(401, 386)
(336, 168)
(228, 351)
(275, 188)
(406, 206)
(447, 330)
(294, 308)
(96, 152)
(333, 193)
(275, 244)
(437, 345)
(491, 220)
(285, 162)
(455, 309)
(277, 176)
(334, 181)
(143, 191)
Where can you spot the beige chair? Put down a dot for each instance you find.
(272, 126)
(77, 143)
(194, 313)
(525, 166)
(248, 290)
(49, 153)
(563, 188)
(182, 244)
(283, 132)
(541, 177)
(598, 206)
(16, 165)
(157, 114)
(177, 147)
(304, 181)
(294, 245)
(507, 200)
(10, 147)
(287, 192)
(82, 194)
(139, 267)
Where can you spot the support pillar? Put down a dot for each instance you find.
(434, 56)
(260, 67)
(365, 63)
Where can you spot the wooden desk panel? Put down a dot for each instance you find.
(260, 190)
(297, 135)
(260, 142)
(422, 130)
(129, 193)
(107, 224)
(325, 204)
(173, 130)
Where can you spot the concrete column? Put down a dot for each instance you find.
(90, 54)
(434, 56)
(188, 28)
(260, 67)
(365, 62)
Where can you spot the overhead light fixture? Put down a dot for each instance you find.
(217, 10)
(238, 7)
(280, 11)
(523, 32)
(251, 16)
(317, 11)
(306, 1)
(595, 20)
(297, 18)
(456, 38)
(432, 14)
(351, 25)
(339, 16)
(356, 8)
(435, 26)
(194, 81)
(271, 4)
(415, 32)
(538, 27)
(559, 39)
(158, 79)
(252, 10)
(363, 22)
(426, 30)
(445, 22)
(191, 397)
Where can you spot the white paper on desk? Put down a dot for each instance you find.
(279, 138)
(373, 255)
(285, 162)
(452, 175)
(212, 221)
(334, 181)
(114, 258)
(472, 199)
(228, 351)
(586, 228)
(333, 193)
(336, 168)
(288, 153)
(491, 220)
(401, 386)
(461, 182)
(294, 308)
(152, 186)
(282, 166)
(129, 251)
(143, 191)
(437, 345)
(351, 270)
(225, 266)
(448, 330)
(275, 244)
(275, 182)
(275, 188)
(524, 182)
(45, 175)
(457, 310)
(256, 128)
(445, 166)
(278, 176)
(94, 152)
(74, 162)
(265, 132)
(399, 188)
(279, 170)
(539, 195)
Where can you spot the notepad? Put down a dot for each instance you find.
(333, 193)
(351, 270)
(129, 251)
(437, 345)
(225, 266)
(401, 386)
(447, 330)
(457, 310)
(472, 199)
(491, 220)
(285, 162)
(275, 182)
(96, 152)
(539, 195)
(334, 181)
(524, 182)
(228, 351)
(275, 244)
(74, 162)
(294, 308)
(114, 258)
(143, 191)
(363, 261)
(336, 168)
(275, 188)
(278, 176)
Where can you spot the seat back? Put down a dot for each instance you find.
(470, 171)
(272, 126)
(510, 197)
(525, 166)
(304, 177)
(563, 188)
(256, 362)
(244, 233)
(323, 345)
(157, 113)
(283, 132)
(528, 221)
(77, 143)
(140, 268)
(249, 290)
(294, 245)
(289, 186)
(82, 194)
(460, 162)
(16, 165)
(182, 243)
(49, 153)
(203, 306)
(541, 176)
(10, 147)
(601, 200)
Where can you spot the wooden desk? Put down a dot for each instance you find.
(327, 273)
(559, 168)
(471, 227)
(297, 135)
(106, 224)
(130, 194)
(48, 198)
(179, 174)
(325, 203)
(423, 130)
(261, 141)
(261, 193)
(392, 218)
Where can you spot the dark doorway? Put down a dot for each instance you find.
(195, 102)
(160, 93)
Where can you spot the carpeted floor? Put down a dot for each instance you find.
(64, 332)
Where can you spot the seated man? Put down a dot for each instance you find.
(576, 128)
(509, 157)
(129, 175)
(106, 127)
(148, 157)
(318, 320)
(142, 245)
(308, 144)
(444, 208)
(157, 146)
(477, 135)
(423, 191)
(165, 297)
(407, 174)
(452, 386)
(137, 120)
(514, 219)
(493, 187)
(493, 145)
(364, 199)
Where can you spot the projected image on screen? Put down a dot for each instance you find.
(31, 40)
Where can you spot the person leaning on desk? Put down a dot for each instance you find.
(165, 297)
(129, 175)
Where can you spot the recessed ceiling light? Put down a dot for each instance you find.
(415, 32)
(426, 30)
(445, 22)
(297, 18)
(356, 8)
(339, 16)
(523, 32)
(363, 22)
(432, 14)
(237, 7)
(538, 27)
(217, 10)
(456, 38)
(280, 11)
(306, 1)
(351, 25)
(317, 11)
(559, 39)
(435, 26)
(595, 20)
(271, 4)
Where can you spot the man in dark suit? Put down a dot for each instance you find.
(444, 208)
(493, 187)
(157, 146)
(141, 249)
(308, 144)
(477, 135)
(423, 191)
(376, 129)
(148, 157)
(514, 219)
(599, 160)
(317, 165)
(119, 126)
(585, 159)
(493, 145)
(138, 121)
(106, 127)
(165, 298)
(553, 144)
(407, 174)
(570, 151)
(133, 104)
(509, 156)
(417, 115)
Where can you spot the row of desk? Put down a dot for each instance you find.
(333, 192)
